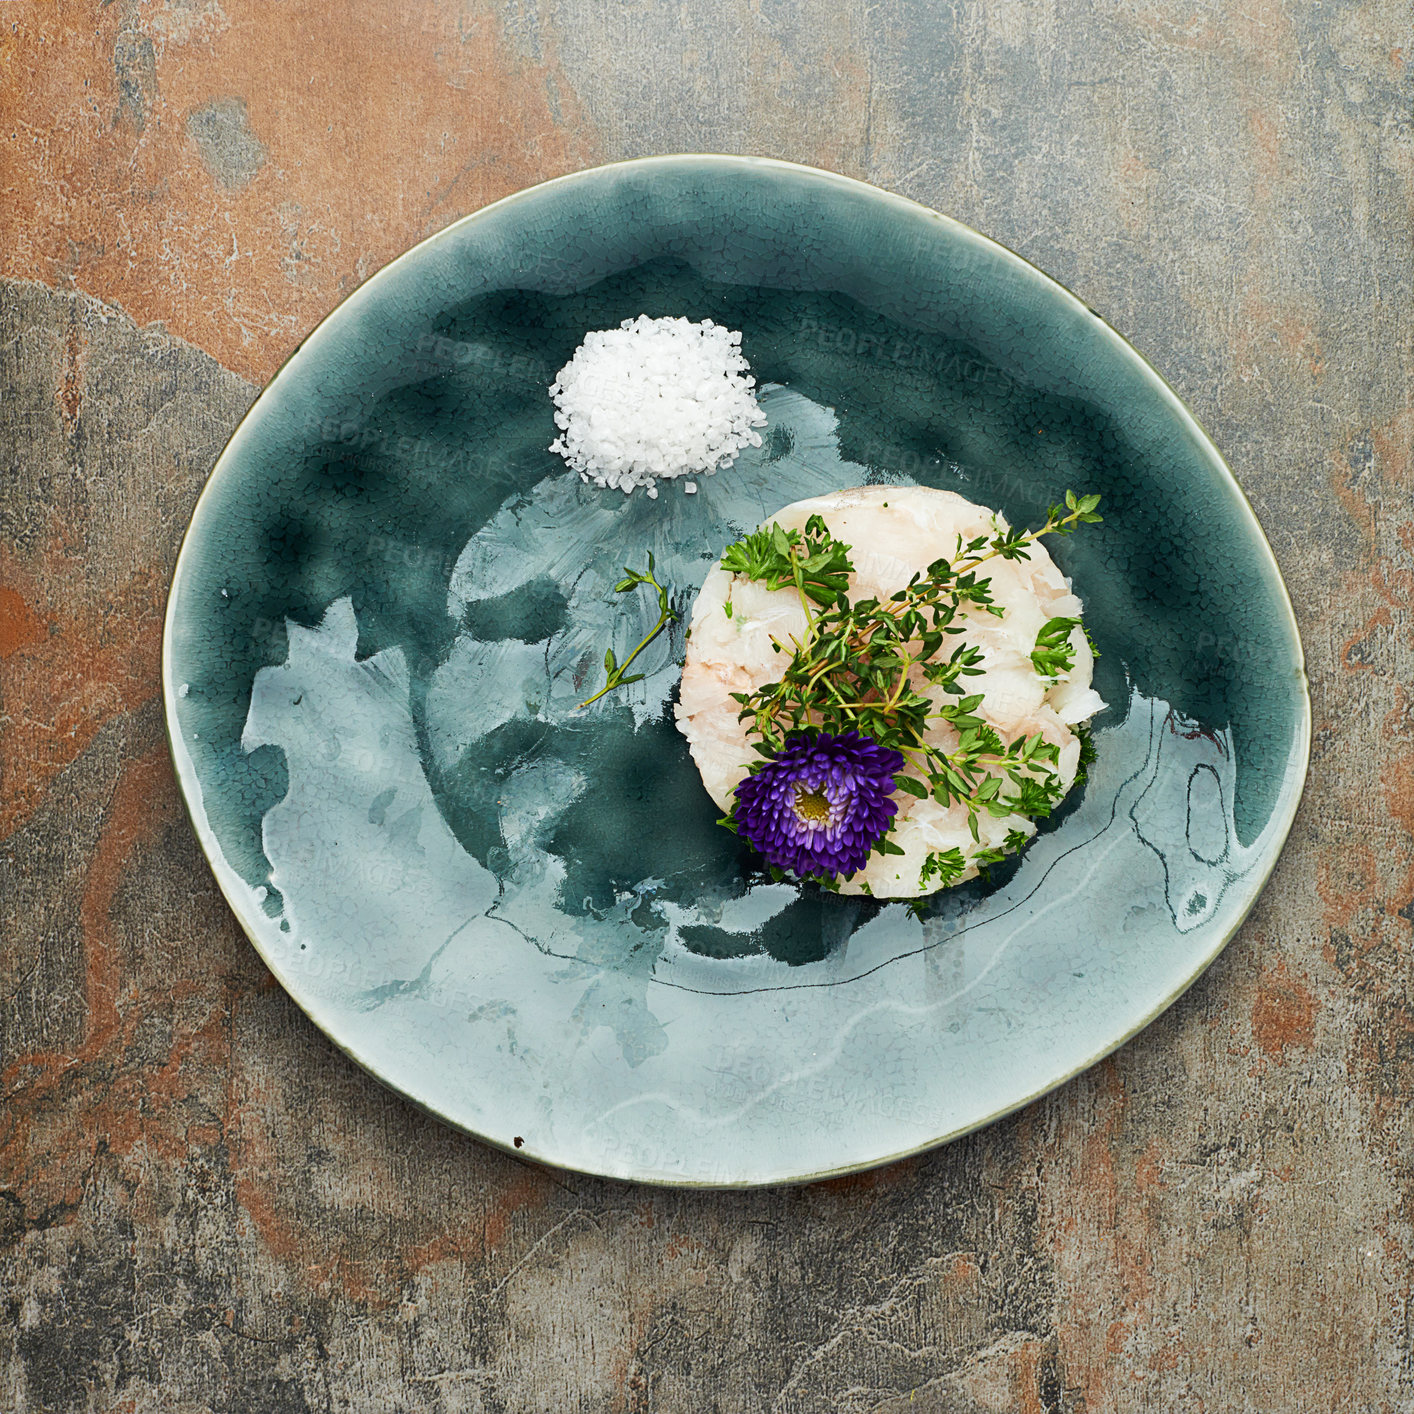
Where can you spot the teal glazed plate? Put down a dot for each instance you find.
(523, 916)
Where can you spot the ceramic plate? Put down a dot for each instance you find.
(523, 917)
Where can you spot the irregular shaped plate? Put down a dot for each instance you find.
(522, 916)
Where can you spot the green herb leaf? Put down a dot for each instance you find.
(614, 670)
(942, 865)
(1054, 655)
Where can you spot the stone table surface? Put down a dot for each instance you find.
(204, 1206)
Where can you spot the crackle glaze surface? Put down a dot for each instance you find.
(522, 915)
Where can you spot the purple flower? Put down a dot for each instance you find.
(822, 804)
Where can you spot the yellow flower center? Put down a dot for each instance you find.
(812, 807)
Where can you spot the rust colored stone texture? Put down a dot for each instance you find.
(234, 170)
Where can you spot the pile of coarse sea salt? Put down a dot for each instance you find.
(653, 400)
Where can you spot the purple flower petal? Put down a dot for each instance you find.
(822, 804)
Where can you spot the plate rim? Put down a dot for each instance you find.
(1292, 786)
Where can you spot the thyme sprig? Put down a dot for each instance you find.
(816, 563)
(1053, 656)
(618, 674)
(864, 666)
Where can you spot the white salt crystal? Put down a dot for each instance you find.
(653, 400)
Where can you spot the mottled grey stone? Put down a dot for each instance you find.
(231, 151)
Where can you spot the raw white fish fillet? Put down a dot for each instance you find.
(895, 531)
